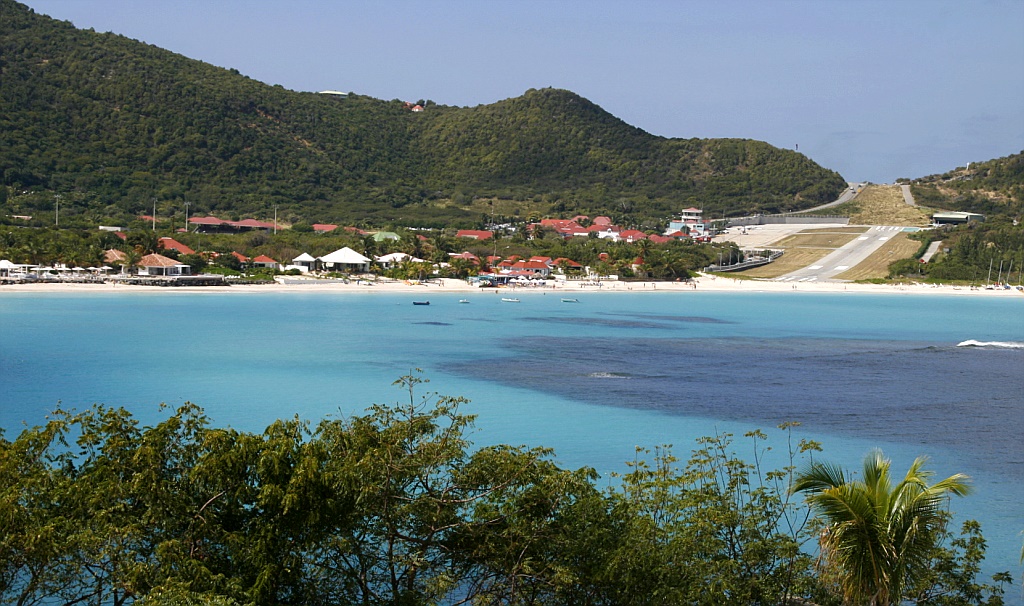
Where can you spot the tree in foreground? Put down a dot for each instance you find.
(879, 537)
(397, 506)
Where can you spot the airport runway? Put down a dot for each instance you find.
(845, 257)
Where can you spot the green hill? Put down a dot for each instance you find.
(992, 188)
(111, 124)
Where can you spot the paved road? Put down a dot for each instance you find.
(907, 196)
(844, 257)
(848, 194)
(933, 248)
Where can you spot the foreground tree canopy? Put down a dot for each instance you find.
(398, 507)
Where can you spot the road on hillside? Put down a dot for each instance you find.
(844, 257)
(908, 197)
(848, 194)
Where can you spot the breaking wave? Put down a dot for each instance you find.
(992, 344)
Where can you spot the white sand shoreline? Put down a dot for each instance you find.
(704, 283)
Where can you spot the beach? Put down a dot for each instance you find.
(700, 283)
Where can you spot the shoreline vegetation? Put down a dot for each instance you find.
(398, 506)
(699, 283)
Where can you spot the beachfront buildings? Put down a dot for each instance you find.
(345, 260)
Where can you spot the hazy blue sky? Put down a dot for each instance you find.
(873, 89)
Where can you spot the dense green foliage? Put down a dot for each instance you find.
(976, 253)
(398, 507)
(977, 250)
(992, 188)
(110, 124)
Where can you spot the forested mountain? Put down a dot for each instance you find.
(111, 124)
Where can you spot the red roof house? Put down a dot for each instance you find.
(632, 235)
(159, 265)
(474, 234)
(566, 262)
(265, 261)
(172, 244)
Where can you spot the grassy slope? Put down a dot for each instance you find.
(882, 205)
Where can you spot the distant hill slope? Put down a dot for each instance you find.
(111, 123)
(995, 187)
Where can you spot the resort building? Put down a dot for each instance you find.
(265, 261)
(215, 225)
(345, 260)
(305, 262)
(395, 259)
(159, 265)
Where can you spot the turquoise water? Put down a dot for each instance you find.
(591, 379)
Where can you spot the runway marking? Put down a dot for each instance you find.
(883, 238)
(863, 238)
(814, 267)
(838, 267)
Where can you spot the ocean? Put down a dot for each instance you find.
(913, 375)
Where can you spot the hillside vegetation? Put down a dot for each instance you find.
(978, 251)
(995, 187)
(111, 124)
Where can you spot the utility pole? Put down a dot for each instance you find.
(186, 216)
(56, 210)
(275, 219)
(154, 214)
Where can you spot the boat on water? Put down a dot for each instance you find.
(421, 302)
(463, 300)
(509, 300)
(567, 300)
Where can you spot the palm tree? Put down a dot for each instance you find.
(130, 263)
(877, 537)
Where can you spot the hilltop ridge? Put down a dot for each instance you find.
(110, 123)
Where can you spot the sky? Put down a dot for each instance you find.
(875, 90)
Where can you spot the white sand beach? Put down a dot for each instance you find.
(701, 283)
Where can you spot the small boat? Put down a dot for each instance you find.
(421, 302)
(463, 300)
(565, 300)
(509, 300)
